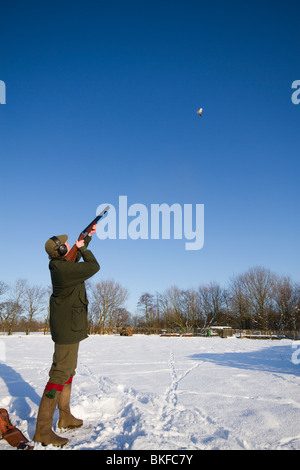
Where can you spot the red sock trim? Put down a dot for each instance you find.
(51, 385)
(69, 381)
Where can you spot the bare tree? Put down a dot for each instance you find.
(16, 297)
(238, 303)
(106, 298)
(213, 301)
(3, 305)
(257, 288)
(286, 298)
(6, 309)
(172, 308)
(191, 309)
(34, 302)
(122, 317)
(146, 306)
(3, 288)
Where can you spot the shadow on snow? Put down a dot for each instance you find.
(277, 359)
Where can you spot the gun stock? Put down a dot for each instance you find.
(71, 256)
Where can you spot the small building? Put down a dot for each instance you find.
(222, 331)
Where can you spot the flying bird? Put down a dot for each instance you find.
(200, 111)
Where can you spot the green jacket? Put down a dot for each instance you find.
(68, 302)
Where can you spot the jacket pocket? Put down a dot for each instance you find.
(78, 318)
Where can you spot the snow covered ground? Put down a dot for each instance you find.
(149, 392)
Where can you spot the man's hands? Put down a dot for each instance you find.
(80, 243)
(94, 228)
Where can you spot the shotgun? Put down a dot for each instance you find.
(71, 256)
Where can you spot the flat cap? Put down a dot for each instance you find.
(51, 247)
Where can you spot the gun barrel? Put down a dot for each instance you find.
(96, 219)
(71, 256)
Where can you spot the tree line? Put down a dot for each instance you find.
(255, 299)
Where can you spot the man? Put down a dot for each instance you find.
(69, 326)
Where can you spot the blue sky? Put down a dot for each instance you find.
(101, 101)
